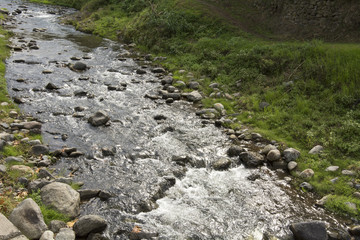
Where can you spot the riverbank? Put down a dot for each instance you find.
(301, 94)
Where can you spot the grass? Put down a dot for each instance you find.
(311, 87)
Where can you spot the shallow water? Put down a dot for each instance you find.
(203, 203)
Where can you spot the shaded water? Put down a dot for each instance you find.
(203, 204)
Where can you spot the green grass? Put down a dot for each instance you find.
(48, 213)
(321, 106)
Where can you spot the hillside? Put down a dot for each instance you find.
(300, 94)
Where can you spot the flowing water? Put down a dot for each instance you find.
(149, 190)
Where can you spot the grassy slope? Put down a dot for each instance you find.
(319, 108)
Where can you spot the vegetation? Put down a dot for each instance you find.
(311, 87)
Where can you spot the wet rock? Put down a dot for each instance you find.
(19, 100)
(291, 154)
(98, 119)
(158, 70)
(234, 151)
(76, 154)
(89, 224)
(222, 164)
(142, 235)
(8, 230)
(251, 159)
(316, 150)
(2, 144)
(273, 155)
(309, 231)
(65, 234)
(51, 86)
(79, 66)
(292, 165)
(38, 150)
(181, 160)
(78, 115)
(104, 195)
(86, 194)
(14, 160)
(306, 186)
(140, 71)
(28, 218)
(61, 197)
(160, 117)
(39, 29)
(47, 235)
(253, 177)
(174, 96)
(56, 225)
(108, 151)
(169, 100)
(32, 125)
(79, 109)
(194, 96)
(47, 72)
(355, 231)
(307, 173)
(80, 93)
(332, 169)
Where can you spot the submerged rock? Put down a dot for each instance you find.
(98, 119)
(309, 231)
(222, 164)
(89, 224)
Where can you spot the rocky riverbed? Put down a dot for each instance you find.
(152, 165)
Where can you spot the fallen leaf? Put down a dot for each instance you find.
(71, 224)
(136, 229)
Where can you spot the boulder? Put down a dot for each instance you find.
(309, 231)
(219, 107)
(61, 197)
(79, 66)
(56, 225)
(99, 118)
(37, 184)
(316, 150)
(8, 230)
(140, 71)
(291, 154)
(47, 235)
(268, 148)
(38, 150)
(292, 165)
(251, 159)
(194, 85)
(32, 125)
(23, 169)
(28, 218)
(273, 155)
(65, 234)
(222, 164)
(14, 160)
(234, 151)
(194, 96)
(86, 194)
(307, 173)
(89, 224)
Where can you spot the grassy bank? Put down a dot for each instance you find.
(311, 87)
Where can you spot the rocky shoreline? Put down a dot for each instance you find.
(27, 221)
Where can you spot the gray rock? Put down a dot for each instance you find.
(158, 70)
(181, 160)
(61, 197)
(291, 154)
(76, 154)
(65, 180)
(356, 195)
(89, 224)
(56, 225)
(140, 71)
(306, 186)
(263, 105)
(2, 168)
(348, 173)
(234, 151)
(98, 119)
(268, 148)
(321, 202)
(273, 155)
(35, 185)
(32, 125)
(43, 173)
(8, 230)
(194, 96)
(51, 86)
(174, 96)
(28, 218)
(355, 231)
(79, 66)
(194, 85)
(47, 235)
(7, 137)
(292, 165)
(332, 169)
(80, 93)
(38, 150)
(351, 206)
(309, 231)
(14, 160)
(214, 85)
(334, 180)
(222, 164)
(86, 194)
(2, 144)
(96, 236)
(65, 234)
(256, 136)
(104, 195)
(307, 173)
(251, 159)
(279, 164)
(34, 142)
(316, 150)
(108, 151)
(219, 107)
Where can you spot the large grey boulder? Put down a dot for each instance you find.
(28, 218)
(194, 96)
(291, 154)
(61, 197)
(89, 224)
(273, 155)
(309, 231)
(251, 159)
(8, 230)
(65, 234)
(99, 118)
